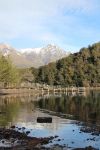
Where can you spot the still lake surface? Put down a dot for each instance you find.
(66, 110)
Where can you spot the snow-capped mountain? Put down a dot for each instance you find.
(17, 58)
(30, 50)
(33, 57)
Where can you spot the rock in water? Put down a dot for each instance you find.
(44, 120)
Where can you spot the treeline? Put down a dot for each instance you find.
(13, 77)
(79, 69)
(9, 74)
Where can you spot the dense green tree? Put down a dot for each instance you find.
(8, 72)
(80, 69)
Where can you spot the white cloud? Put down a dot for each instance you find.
(46, 20)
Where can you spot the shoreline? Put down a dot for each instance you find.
(11, 91)
(12, 139)
(7, 91)
(20, 137)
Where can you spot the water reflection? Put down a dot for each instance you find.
(83, 106)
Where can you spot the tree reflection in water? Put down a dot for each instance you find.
(84, 107)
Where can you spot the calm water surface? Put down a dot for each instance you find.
(23, 111)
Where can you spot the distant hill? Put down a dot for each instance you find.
(80, 69)
(33, 57)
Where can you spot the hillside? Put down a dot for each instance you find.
(32, 57)
(80, 69)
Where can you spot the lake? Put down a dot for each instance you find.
(71, 114)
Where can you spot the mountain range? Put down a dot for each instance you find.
(33, 57)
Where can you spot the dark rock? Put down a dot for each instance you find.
(19, 128)
(23, 128)
(13, 127)
(56, 136)
(27, 132)
(87, 139)
(72, 142)
(3, 141)
(86, 148)
(44, 120)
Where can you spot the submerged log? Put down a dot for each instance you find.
(44, 120)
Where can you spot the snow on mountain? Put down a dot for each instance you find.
(30, 50)
(33, 57)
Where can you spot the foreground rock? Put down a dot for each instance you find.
(92, 129)
(11, 139)
(86, 148)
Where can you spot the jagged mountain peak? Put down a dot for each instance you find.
(33, 57)
(52, 48)
(49, 48)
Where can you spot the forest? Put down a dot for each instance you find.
(78, 69)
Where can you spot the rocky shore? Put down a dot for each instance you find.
(10, 139)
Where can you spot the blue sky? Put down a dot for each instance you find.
(70, 24)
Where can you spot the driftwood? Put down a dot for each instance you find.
(44, 120)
